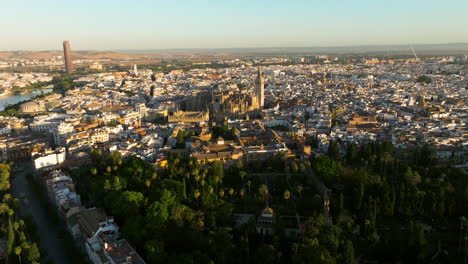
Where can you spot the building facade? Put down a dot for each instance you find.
(67, 57)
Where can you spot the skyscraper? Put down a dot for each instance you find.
(260, 89)
(67, 56)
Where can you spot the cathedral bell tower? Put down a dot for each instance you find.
(260, 89)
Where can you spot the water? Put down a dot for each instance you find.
(16, 98)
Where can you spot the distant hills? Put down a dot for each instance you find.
(370, 50)
(437, 49)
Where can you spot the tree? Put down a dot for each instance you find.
(348, 254)
(239, 164)
(11, 237)
(4, 208)
(310, 251)
(424, 79)
(196, 194)
(463, 226)
(18, 252)
(341, 202)
(359, 194)
(242, 193)
(218, 170)
(334, 150)
(242, 175)
(412, 177)
(4, 179)
(299, 189)
(156, 216)
(33, 253)
(155, 252)
(147, 183)
(351, 153)
(126, 203)
(22, 236)
(294, 167)
(421, 239)
(263, 191)
(265, 254)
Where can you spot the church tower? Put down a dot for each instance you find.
(260, 89)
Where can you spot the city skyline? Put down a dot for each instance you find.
(247, 131)
(212, 25)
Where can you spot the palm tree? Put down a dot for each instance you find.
(242, 175)
(287, 196)
(299, 190)
(221, 193)
(263, 190)
(242, 192)
(249, 182)
(18, 252)
(4, 208)
(7, 198)
(231, 192)
(196, 194)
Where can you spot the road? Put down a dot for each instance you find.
(47, 230)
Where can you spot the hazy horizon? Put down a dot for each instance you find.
(376, 46)
(208, 24)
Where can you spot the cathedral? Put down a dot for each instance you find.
(232, 104)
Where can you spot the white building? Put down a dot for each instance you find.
(61, 133)
(49, 159)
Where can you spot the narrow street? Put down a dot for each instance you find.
(48, 232)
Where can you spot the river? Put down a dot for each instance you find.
(16, 98)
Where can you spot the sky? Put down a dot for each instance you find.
(184, 24)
